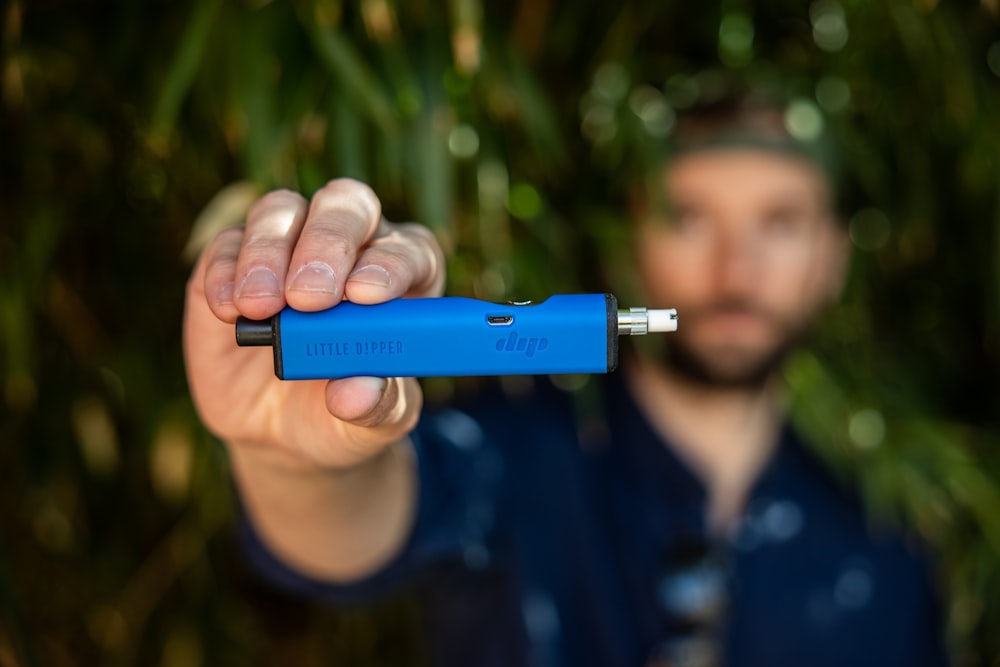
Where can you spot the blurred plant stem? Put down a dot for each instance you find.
(147, 587)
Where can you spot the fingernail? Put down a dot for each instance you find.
(314, 277)
(371, 385)
(358, 398)
(224, 295)
(259, 282)
(371, 275)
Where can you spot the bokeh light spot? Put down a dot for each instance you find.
(463, 141)
(170, 462)
(524, 201)
(866, 429)
(491, 284)
(611, 81)
(493, 182)
(653, 110)
(829, 25)
(96, 435)
(108, 627)
(853, 589)
(53, 528)
(599, 124)
(736, 38)
(803, 120)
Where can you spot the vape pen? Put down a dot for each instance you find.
(452, 336)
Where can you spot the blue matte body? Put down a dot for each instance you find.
(447, 336)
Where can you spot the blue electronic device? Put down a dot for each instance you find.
(451, 336)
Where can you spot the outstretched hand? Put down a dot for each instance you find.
(309, 255)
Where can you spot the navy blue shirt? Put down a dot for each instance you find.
(559, 530)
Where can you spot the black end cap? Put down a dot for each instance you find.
(254, 333)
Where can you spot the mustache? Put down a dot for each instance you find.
(734, 306)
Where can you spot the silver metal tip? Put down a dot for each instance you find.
(640, 321)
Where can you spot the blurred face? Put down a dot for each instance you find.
(747, 250)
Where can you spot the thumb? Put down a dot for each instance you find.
(368, 415)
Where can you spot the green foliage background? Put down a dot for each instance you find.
(130, 128)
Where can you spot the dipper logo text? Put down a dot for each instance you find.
(529, 346)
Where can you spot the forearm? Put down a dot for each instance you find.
(332, 525)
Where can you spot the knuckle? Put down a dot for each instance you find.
(224, 243)
(417, 241)
(393, 245)
(409, 420)
(430, 256)
(275, 199)
(228, 235)
(394, 237)
(368, 200)
(407, 409)
(226, 247)
(360, 196)
(258, 245)
(326, 240)
(360, 190)
(416, 229)
(272, 220)
(426, 238)
(218, 258)
(222, 266)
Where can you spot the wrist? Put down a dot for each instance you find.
(255, 460)
(334, 524)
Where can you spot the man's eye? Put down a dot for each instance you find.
(687, 220)
(783, 223)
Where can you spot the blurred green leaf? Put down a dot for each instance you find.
(183, 68)
(353, 76)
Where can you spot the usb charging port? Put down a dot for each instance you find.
(500, 320)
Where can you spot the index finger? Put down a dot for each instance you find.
(342, 216)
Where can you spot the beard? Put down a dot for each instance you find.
(729, 366)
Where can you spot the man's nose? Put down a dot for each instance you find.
(737, 261)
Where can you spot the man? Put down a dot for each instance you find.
(668, 518)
